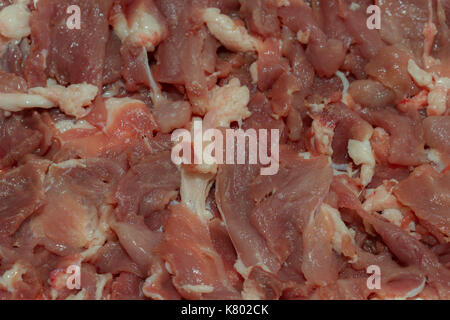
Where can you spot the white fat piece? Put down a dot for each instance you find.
(15, 102)
(322, 137)
(72, 99)
(15, 21)
(343, 238)
(227, 104)
(232, 35)
(362, 154)
(11, 277)
(438, 88)
(142, 29)
(194, 190)
(382, 198)
(420, 76)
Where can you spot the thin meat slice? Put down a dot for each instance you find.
(129, 127)
(261, 17)
(349, 125)
(269, 63)
(11, 83)
(405, 21)
(368, 41)
(73, 218)
(232, 188)
(262, 285)
(286, 201)
(21, 194)
(135, 67)
(260, 118)
(406, 143)
(325, 54)
(198, 270)
(148, 186)
(17, 139)
(111, 258)
(12, 58)
(188, 56)
(113, 60)
(224, 247)
(371, 94)
(425, 191)
(137, 240)
(159, 285)
(301, 68)
(126, 286)
(283, 92)
(171, 115)
(437, 133)
(320, 264)
(412, 252)
(390, 67)
(386, 172)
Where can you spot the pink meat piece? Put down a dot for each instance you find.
(437, 133)
(425, 192)
(406, 134)
(70, 56)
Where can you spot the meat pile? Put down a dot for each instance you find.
(87, 179)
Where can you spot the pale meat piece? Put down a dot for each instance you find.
(320, 262)
(371, 94)
(437, 133)
(127, 124)
(406, 141)
(159, 285)
(138, 241)
(72, 217)
(126, 287)
(348, 125)
(112, 258)
(286, 201)
(412, 252)
(22, 189)
(95, 102)
(325, 54)
(11, 83)
(425, 191)
(231, 190)
(390, 67)
(188, 56)
(148, 186)
(18, 137)
(198, 271)
(261, 17)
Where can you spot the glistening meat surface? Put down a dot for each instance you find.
(88, 181)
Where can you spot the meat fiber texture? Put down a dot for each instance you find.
(87, 180)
